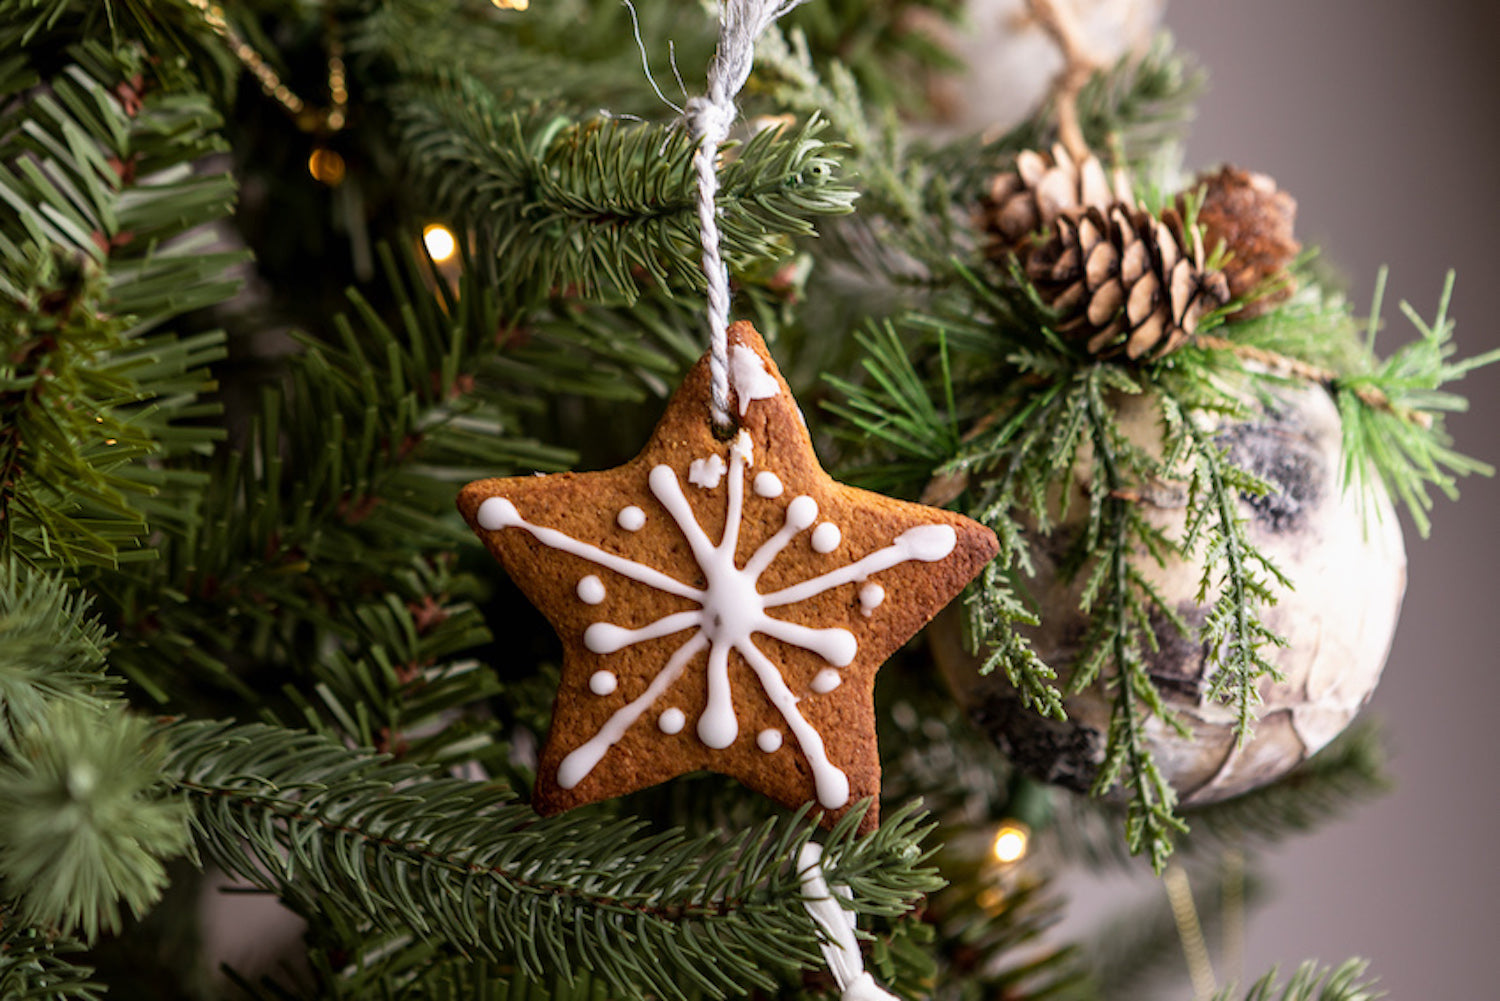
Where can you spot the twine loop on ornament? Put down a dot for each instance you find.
(709, 119)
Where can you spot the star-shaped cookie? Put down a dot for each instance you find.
(722, 604)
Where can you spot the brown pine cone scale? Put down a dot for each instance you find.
(1025, 203)
(1122, 279)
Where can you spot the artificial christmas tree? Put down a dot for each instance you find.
(243, 629)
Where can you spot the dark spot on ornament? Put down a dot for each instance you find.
(1287, 457)
(1062, 753)
(1179, 661)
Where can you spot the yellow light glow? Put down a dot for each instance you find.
(327, 166)
(440, 242)
(1011, 842)
(511, 4)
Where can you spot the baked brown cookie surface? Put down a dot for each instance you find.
(722, 605)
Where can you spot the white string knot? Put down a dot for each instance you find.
(840, 948)
(708, 119)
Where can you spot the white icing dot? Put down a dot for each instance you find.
(591, 590)
(802, 512)
(706, 473)
(826, 537)
(826, 681)
(602, 682)
(671, 721)
(496, 513)
(768, 740)
(870, 597)
(631, 518)
(768, 484)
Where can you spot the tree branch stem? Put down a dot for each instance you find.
(1370, 396)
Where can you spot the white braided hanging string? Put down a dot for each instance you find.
(709, 118)
(840, 948)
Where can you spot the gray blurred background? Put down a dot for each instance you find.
(1380, 117)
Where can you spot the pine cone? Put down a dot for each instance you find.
(1254, 220)
(1027, 201)
(1121, 277)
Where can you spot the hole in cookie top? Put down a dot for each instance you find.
(727, 431)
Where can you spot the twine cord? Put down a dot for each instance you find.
(840, 948)
(709, 118)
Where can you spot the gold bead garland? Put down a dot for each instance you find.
(330, 119)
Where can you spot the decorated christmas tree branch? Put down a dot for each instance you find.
(362, 446)
(457, 863)
(555, 204)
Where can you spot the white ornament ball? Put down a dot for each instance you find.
(1343, 555)
(1010, 62)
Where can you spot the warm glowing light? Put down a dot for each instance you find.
(1011, 842)
(327, 166)
(440, 242)
(511, 4)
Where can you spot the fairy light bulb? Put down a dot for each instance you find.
(327, 166)
(1011, 842)
(439, 241)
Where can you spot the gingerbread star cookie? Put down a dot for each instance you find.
(722, 604)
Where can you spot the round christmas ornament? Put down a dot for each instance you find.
(1345, 565)
(1293, 580)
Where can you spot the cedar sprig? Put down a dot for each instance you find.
(1237, 579)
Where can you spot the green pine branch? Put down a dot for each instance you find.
(449, 861)
(101, 248)
(600, 207)
(1402, 442)
(35, 964)
(84, 822)
(1142, 104)
(346, 478)
(544, 53)
(53, 651)
(1311, 982)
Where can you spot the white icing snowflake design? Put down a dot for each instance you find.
(731, 611)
